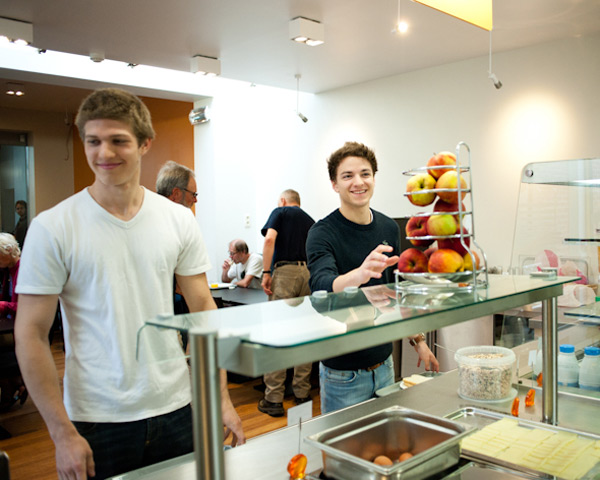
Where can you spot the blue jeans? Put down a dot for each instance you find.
(121, 447)
(343, 388)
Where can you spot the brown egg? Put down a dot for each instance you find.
(405, 456)
(383, 460)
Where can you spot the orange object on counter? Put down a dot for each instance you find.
(530, 398)
(297, 466)
(540, 380)
(515, 407)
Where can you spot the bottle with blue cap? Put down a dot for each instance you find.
(568, 367)
(589, 373)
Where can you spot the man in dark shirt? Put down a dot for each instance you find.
(351, 247)
(21, 227)
(285, 276)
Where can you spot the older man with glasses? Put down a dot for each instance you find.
(177, 183)
(242, 267)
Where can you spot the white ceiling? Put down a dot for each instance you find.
(250, 37)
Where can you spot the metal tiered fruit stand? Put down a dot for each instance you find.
(467, 280)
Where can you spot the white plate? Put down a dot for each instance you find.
(439, 278)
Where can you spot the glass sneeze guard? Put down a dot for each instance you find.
(313, 328)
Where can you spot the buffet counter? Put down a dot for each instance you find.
(266, 457)
(256, 339)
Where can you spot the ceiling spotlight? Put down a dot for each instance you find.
(203, 65)
(307, 31)
(16, 31)
(199, 115)
(497, 83)
(401, 25)
(97, 57)
(302, 117)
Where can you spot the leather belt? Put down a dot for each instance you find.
(282, 263)
(373, 367)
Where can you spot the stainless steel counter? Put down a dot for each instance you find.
(266, 457)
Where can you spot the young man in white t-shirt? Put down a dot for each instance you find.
(109, 254)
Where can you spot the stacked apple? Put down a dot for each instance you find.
(450, 255)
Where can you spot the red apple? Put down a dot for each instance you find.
(449, 181)
(412, 260)
(417, 227)
(468, 261)
(441, 206)
(442, 224)
(455, 243)
(421, 181)
(445, 260)
(439, 160)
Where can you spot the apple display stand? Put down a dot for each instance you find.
(426, 282)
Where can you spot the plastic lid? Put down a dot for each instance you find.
(592, 351)
(567, 348)
(477, 356)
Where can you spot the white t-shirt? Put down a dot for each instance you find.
(253, 266)
(112, 276)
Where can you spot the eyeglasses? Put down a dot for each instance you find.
(193, 194)
(231, 254)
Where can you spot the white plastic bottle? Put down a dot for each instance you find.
(589, 372)
(568, 367)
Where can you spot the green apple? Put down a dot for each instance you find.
(442, 224)
(417, 183)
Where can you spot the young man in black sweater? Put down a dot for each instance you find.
(349, 248)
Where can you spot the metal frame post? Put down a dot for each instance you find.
(549, 361)
(208, 423)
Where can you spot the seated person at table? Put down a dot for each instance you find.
(11, 384)
(355, 246)
(242, 267)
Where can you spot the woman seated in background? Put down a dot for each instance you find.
(11, 383)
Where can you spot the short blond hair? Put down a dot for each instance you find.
(9, 245)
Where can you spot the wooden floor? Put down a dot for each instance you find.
(31, 451)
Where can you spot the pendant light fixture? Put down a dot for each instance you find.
(401, 26)
(302, 117)
(491, 75)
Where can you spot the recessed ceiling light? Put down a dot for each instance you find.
(15, 89)
(16, 31)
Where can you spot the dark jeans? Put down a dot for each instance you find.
(121, 447)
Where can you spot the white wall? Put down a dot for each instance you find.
(255, 146)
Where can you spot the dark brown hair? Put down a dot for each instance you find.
(350, 149)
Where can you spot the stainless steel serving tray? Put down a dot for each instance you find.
(480, 418)
(349, 448)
